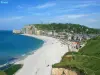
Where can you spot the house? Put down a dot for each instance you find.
(86, 37)
(61, 36)
(50, 33)
(69, 36)
(55, 35)
(39, 32)
(93, 35)
(78, 37)
(75, 45)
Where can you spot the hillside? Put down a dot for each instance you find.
(68, 27)
(92, 47)
(87, 60)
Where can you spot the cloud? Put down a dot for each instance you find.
(65, 10)
(19, 6)
(32, 8)
(92, 20)
(46, 5)
(87, 4)
(76, 16)
(72, 16)
(11, 19)
(77, 7)
(4, 2)
(82, 5)
(67, 18)
(38, 14)
(16, 18)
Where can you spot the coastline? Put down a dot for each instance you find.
(40, 62)
(19, 59)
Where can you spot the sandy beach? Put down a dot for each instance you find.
(40, 63)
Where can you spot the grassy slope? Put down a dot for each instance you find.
(92, 47)
(12, 69)
(2, 73)
(86, 60)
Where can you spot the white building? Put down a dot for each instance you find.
(69, 36)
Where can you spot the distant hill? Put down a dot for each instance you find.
(68, 27)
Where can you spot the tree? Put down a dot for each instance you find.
(68, 27)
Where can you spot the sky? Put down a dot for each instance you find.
(14, 14)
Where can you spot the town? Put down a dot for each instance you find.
(75, 41)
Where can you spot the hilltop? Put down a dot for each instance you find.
(67, 27)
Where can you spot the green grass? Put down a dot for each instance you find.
(2, 73)
(12, 69)
(86, 60)
(92, 47)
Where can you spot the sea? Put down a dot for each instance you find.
(16, 45)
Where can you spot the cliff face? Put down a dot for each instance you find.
(63, 71)
(17, 31)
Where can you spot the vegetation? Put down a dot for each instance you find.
(68, 27)
(92, 47)
(2, 73)
(11, 70)
(87, 60)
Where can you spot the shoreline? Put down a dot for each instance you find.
(40, 62)
(19, 59)
(22, 56)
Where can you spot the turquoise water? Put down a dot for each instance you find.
(14, 45)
